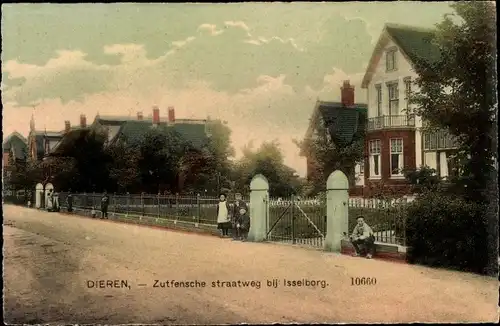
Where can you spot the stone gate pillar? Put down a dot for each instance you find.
(259, 208)
(337, 197)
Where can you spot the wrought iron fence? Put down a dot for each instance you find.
(297, 221)
(198, 209)
(294, 220)
(386, 217)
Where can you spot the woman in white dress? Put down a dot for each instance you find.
(223, 218)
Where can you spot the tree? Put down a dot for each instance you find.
(216, 172)
(463, 91)
(267, 160)
(329, 156)
(160, 160)
(124, 173)
(457, 92)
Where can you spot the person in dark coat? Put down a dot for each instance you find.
(239, 207)
(69, 201)
(223, 216)
(104, 205)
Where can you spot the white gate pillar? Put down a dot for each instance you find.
(337, 212)
(38, 195)
(259, 208)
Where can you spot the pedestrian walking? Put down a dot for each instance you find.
(223, 218)
(240, 208)
(104, 205)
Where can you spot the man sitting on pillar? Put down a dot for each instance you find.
(363, 235)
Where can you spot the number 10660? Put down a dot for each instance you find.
(363, 281)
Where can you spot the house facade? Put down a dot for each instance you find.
(395, 139)
(340, 121)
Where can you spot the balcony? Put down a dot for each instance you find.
(439, 140)
(390, 122)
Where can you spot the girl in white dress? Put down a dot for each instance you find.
(223, 219)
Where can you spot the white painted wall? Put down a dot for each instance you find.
(404, 69)
(430, 160)
(359, 173)
(52, 144)
(112, 131)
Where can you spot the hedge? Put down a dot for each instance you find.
(447, 231)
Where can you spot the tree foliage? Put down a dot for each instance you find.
(458, 93)
(329, 156)
(267, 160)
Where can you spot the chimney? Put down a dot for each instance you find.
(171, 114)
(67, 126)
(139, 116)
(83, 121)
(347, 94)
(156, 115)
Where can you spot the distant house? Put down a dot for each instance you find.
(42, 143)
(130, 129)
(395, 139)
(15, 150)
(14, 147)
(342, 120)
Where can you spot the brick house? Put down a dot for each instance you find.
(341, 119)
(130, 129)
(394, 136)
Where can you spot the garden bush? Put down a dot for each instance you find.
(447, 231)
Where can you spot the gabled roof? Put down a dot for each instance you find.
(16, 143)
(415, 44)
(192, 133)
(342, 122)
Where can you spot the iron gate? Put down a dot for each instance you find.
(296, 221)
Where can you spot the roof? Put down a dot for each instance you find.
(195, 134)
(343, 122)
(415, 43)
(68, 137)
(16, 143)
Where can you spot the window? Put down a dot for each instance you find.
(393, 91)
(390, 60)
(378, 92)
(362, 167)
(374, 146)
(407, 82)
(396, 157)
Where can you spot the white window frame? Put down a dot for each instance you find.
(375, 152)
(390, 60)
(407, 82)
(397, 148)
(378, 99)
(393, 97)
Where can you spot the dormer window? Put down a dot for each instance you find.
(390, 59)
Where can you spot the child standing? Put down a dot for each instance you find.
(223, 221)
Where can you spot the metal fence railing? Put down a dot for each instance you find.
(304, 221)
(386, 217)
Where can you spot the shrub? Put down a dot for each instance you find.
(447, 231)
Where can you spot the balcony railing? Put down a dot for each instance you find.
(439, 140)
(390, 121)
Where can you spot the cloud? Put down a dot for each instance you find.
(180, 44)
(212, 29)
(238, 24)
(265, 87)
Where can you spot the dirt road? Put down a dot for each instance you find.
(51, 259)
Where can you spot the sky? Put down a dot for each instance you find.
(259, 66)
